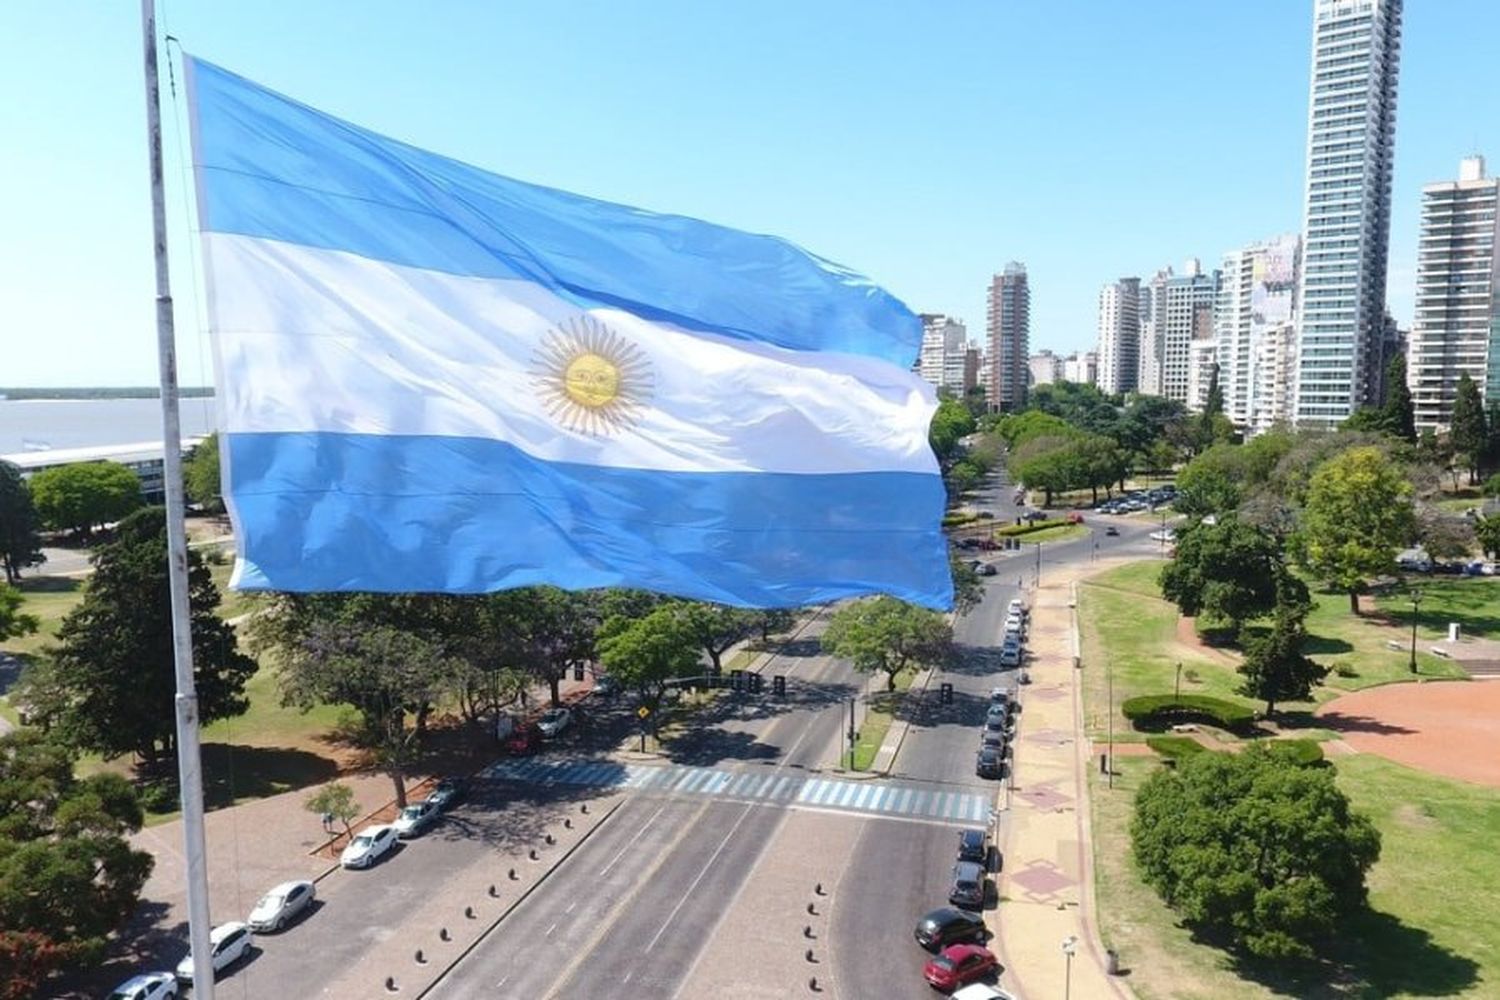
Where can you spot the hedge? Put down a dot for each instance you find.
(1012, 530)
(1175, 747)
(1303, 751)
(958, 518)
(1150, 711)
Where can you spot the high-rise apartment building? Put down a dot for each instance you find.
(944, 343)
(1181, 310)
(1203, 355)
(1148, 367)
(1347, 219)
(1257, 295)
(1081, 367)
(1009, 317)
(1275, 375)
(1046, 368)
(1119, 335)
(1456, 329)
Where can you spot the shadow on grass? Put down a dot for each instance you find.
(1322, 645)
(49, 584)
(1375, 955)
(233, 773)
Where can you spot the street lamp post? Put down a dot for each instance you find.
(1069, 946)
(1039, 565)
(1416, 600)
(1177, 688)
(1162, 535)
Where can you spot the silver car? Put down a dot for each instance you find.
(151, 986)
(277, 907)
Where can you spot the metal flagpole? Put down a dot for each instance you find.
(189, 767)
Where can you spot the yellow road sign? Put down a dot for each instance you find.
(643, 711)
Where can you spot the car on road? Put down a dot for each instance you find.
(522, 740)
(1010, 656)
(998, 710)
(1016, 607)
(1034, 516)
(959, 964)
(987, 569)
(151, 986)
(993, 738)
(228, 943)
(999, 694)
(973, 845)
(998, 724)
(368, 846)
(981, 991)
(1165, 535)
(940, 928)
(606, 685)
(966, 887)
(448, 793)
(968, 543)
(554, 721)
(1112, 531)
(415, 819)
(277, 908)
(989, 764)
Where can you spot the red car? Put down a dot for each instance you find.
(523, 740)
(958, 964)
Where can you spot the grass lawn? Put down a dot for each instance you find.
(50, 598)
(1337, 638)
(1056, 533)
(1417, 940)
(878, 717)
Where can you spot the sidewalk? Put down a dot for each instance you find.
(1047, 881)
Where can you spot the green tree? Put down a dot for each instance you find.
(1467, 431)
(84, 495)
(968, 589)
(716, 627)
(334, 799)
(111, 678)
(20, 542)
(1226, 571)
(648, 653)
(1254, 849)
(1275, 668)
(200, 475)
(1368, 419)
(387, 676)
(1358, 515)
(950, 424)
(886, 635)
(1487, 532)
(1213, 408)
(546, 631)
(1212, 483)
(12, 621)
(68, 875)
(1400, 416)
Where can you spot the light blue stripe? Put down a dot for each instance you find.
(270, 167)
(716, 786)
(663, 776)
(327, 512)
(689, 780)
(633, 775)
(906, 794)
(850, 791)
(809, 790)
(757, 784)
(862, 800)
(781, 787)
(878, 800)
(919, 805)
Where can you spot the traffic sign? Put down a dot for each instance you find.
(643, 711)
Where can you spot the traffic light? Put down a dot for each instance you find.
(778, 685)
(737, 680)
(715, 677)
(945, 693)
(757, 682)
(578, 672)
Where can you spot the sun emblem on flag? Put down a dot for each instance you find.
(591, 379)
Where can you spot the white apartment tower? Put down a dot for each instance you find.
(1119, 335)
(1182, 308)
(1257, 295)
(1148, 367)
(1081, 367)
(1046, 368)
(1347, 220)
(1457, 285)
(944, 343)
(1009, 319)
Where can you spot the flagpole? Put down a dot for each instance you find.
(189, 767)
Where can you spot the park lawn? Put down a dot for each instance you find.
(233, 603)
(879, 715)
(1417, 940)
(1056, 533)
(1337, 638)
(50, 598)
(1130, 641)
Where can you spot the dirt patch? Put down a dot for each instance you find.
(1451, 728)
(1189, 639)
(1414, 816)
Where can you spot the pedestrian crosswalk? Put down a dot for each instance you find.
(935, 804)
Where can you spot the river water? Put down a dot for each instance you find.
(27, 424)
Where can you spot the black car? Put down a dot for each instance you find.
(1111, 530)
(940, 928)
(972, 846)
(989, 763)
(992, 738)
(967, 886)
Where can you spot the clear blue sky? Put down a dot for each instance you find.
(924, 144)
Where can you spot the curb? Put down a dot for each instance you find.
(920, 693)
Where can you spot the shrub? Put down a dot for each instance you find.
(1157, 711)
(1304, 752)
(1013, 530)
(957, 518)
(1175, 747)
(1345, 670)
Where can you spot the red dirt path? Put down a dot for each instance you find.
(1450, 728)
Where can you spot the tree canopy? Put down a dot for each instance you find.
(84, 495)
(1254, 849)
(886, 635)
(1275, 668)
(1226, 571)
(13, 622)
(200, 475)
(1467, 430)
(1358, 515)
(20, 541)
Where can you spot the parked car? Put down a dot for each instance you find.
(1075, 518)
(987, 569)
(368, 846)
(277, 908)
(228, 943)
(448, 793)
(1111, 531)
(415, 819)
(968, 543)
(981, 991)
(998, 710)
(973, 845)
(523, 740)
(1034, 515)
(940, 928)
(959, 964)
(966, 887)
(988, 544)
(999, 694)
(1016, 607)
(1010, 656)
(554, 721)
(151, 986)
(606, 686)
(993, 738)
(989, 763)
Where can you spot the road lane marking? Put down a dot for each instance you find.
(706, 869)
(638, 834)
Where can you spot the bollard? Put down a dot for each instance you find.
(512, 874)
(531, 854)
(551, 839)
(444, 935)
(584, 808)
(811, 957)
(567, 823)
(812, 984)
(818, 888)
(807, 932)
(812, 909)
(469, 912)
(421, 958)
(494, 893)
(390, 985)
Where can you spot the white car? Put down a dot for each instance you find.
(228, 943)
(368, 845)
(1010, 656)
(981, 991)
(277, 907)
(1164, 536)
(554, 721)
(151, 986)
(1015, 609)
(416, 818)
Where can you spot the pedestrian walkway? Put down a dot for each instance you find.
(1049, 939)
(932, 803)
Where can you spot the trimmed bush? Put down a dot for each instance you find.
(1157, 711)
(1304, 752)
(957, 518)
(1174, 747)
(1012, 530)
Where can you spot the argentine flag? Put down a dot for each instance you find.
(436, 379)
